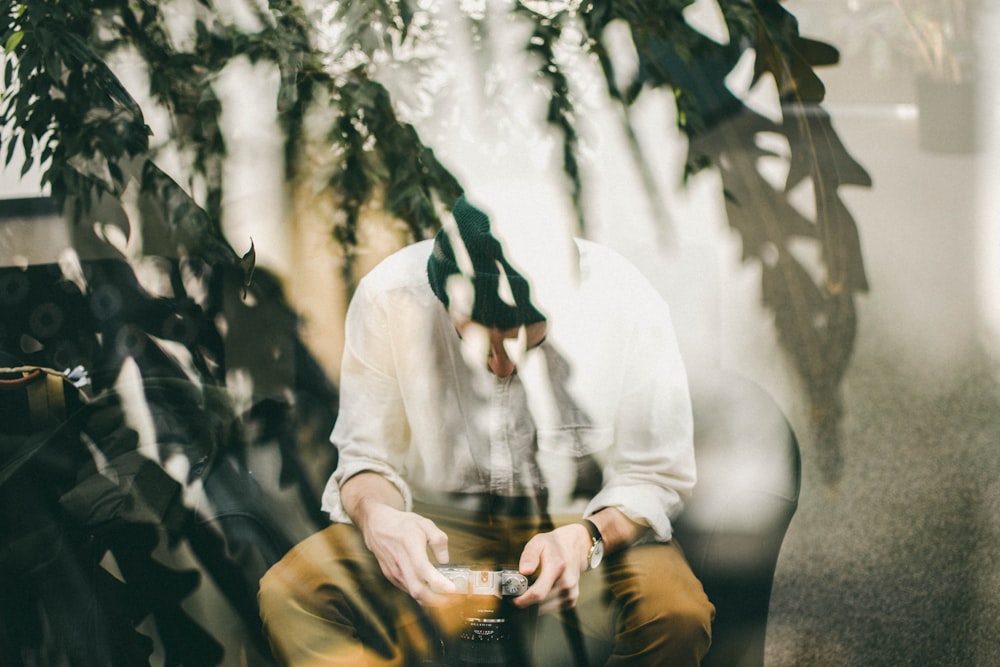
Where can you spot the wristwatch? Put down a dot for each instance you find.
(596, 552)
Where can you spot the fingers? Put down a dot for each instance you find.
(420, 578)
(437, 541)
(560, 595)
(430, 579)
(555, 584)
(530, 557)
(400, 544)
(563, 602)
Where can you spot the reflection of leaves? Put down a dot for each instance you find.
(160, 591)
(132, 502)
(182, 83)
(370, 26)
(381, 155)
(542, 43)
(67, 110)
(61, 99)
(814, 316)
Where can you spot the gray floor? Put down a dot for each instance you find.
(897, 565)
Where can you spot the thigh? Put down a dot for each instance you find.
(652, 576)
(328, 597)
(326, 602)
(644, 605)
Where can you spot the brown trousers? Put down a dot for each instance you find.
(327, 603)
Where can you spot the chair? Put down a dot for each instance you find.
(749, 474)
(733, 525)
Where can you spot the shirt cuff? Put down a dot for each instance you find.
(645, 504)
(332, 501)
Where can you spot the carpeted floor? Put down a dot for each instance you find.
(897, 565)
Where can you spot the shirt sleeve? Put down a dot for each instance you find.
(651, 469)
(371, 431)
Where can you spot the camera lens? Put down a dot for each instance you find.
(486, 638)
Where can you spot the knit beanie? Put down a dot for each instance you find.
(490, 270)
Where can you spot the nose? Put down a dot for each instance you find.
(499, 361)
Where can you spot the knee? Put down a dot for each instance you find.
(685, 621)
(279, 599)
(273, 593)
(294, 584)
(668, 629)
(304, 578)
(690, 623)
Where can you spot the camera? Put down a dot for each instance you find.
(493, 631)
(499, 583)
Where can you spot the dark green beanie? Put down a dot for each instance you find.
(489, 268)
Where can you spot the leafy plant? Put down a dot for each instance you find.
(64, 108)
(813, 305)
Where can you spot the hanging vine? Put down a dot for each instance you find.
(64, 107)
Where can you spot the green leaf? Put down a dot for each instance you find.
(13, 41)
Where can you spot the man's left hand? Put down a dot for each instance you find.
(557, 558)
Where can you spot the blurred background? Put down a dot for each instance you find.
(810, 184)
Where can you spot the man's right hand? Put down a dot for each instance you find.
(398, 539)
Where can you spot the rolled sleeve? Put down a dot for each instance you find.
(332, 503)
(371, 430)
(652, 469)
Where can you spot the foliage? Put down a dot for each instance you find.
(64, 106)
(814, 313)
(61, 96)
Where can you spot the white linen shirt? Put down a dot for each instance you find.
(607, 383)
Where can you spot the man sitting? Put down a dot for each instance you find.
(478, 428)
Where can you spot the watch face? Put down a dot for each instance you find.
(596, 553)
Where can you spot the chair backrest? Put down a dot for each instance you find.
(733, 525)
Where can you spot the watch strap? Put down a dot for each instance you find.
(594, 531)
(596, 551)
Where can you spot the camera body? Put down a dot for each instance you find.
(472, 581)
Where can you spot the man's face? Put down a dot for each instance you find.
(502, 349)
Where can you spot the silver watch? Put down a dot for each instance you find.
(596, 552)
